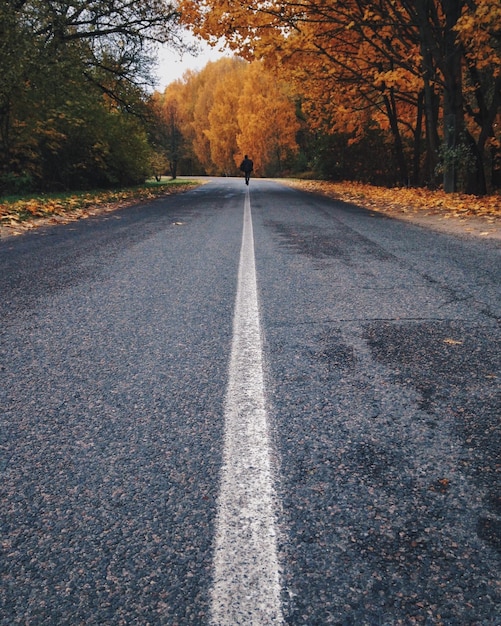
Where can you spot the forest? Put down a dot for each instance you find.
(391, 92)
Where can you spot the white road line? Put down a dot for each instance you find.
(246, 587)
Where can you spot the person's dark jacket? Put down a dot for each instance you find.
(247, 165)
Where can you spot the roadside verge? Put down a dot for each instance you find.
(458, 214)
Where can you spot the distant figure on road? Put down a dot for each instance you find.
(247, 165)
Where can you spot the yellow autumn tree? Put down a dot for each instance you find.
(344, 58)
(230, 107)
(427, 71)
(189, 88)
(203, 102)
(166, 134)
(222, 118)
(267, 121)
(479, 30)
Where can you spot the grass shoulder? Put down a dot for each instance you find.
(23, 212)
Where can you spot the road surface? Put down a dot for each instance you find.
(249, 406)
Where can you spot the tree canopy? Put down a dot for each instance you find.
(399, 92)
(426, 71)
(230, 108)
(72, 81)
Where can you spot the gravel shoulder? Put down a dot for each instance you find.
(445, 222)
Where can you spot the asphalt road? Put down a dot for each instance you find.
(381, 348)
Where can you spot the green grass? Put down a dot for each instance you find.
(62, 195)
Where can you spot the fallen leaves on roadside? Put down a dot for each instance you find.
(407, 200)
(31, 212)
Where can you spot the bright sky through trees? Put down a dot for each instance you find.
(172, 64)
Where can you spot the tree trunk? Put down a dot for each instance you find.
(431, 107)
(173, 168)
(391, 110)
(453, 96)
(485, 117)
(475, 175)
(418, 131)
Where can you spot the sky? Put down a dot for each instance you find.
(172, 65)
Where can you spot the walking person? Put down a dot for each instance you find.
(247, 166)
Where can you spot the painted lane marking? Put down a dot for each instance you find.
(246, 587)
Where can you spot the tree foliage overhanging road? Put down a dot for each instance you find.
(387, 91)
(428, 72)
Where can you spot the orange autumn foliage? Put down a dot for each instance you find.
(426, 72)
(266, 118)
(404, 200)
(341, 56)
(479, 31)
(233, 107)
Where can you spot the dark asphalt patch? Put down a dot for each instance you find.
(456, 369)
(316, 243)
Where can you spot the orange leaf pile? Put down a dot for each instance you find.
(31, 212)
(407, 200)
